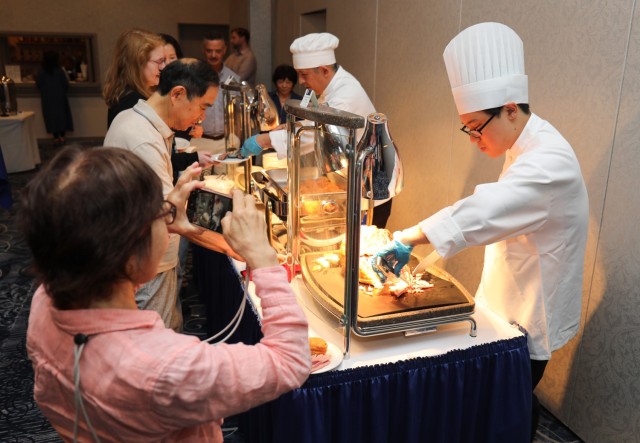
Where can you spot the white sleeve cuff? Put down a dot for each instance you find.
(443, 233)
(279, 142)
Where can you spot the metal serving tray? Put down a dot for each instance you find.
(445, 302)
(315, 206)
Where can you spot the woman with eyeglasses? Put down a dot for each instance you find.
(97, 225)
(135, 70)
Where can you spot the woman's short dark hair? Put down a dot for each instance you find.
(285, 72)
(84, 215)
(195, 75)
(170, 40)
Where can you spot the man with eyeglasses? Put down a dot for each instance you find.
(532, 220)
(187, 88)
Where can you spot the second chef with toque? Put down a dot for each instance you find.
(315, 62)
(533, 219)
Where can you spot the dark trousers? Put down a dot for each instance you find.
(381, 214)
(221, 293)
(537, 371)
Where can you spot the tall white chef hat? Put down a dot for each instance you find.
(485, 64)
(314, 50)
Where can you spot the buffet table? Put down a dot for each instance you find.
(18, 141)
(441, 387)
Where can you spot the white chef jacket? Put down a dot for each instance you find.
(344, 92)
(534, 223)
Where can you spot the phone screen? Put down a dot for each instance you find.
(206, 208)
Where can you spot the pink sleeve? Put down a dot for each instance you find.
(210, 382)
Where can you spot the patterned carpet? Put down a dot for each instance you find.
(20, 419)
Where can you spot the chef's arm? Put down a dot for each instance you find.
(396, 254)
(255, 144)
(276, 139)
(412, 236)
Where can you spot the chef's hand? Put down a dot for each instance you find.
(245, 230)
(250, 147)
(396, 254)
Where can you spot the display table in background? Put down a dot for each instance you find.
(18, 142)
(6, 200)
(440, 387)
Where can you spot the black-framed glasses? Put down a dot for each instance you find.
(168, 213)
(162, 61)
(476, 133)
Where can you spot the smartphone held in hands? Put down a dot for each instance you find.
(206, 208)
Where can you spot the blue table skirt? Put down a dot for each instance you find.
(475, 395)
(481, 394)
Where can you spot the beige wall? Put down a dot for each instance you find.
(106, 19)
(583, 61)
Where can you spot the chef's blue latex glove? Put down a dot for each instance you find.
(394, 256)
(250, 147)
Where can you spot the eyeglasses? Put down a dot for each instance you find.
(168, 213)
(476, 133)
(162, 61)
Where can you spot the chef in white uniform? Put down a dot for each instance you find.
(533, 220)
(315, 62)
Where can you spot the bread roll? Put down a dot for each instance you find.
(318, 346)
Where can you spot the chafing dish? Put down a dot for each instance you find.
(318, 234)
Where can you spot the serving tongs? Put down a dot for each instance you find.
(386, 265)
(383, 265)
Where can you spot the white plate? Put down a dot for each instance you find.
(182, 143)
(216, 158)
(336, 358)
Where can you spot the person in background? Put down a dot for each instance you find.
(173, 52)
(134, 71)
(136, 380)
(134, 75)
(53, 84)
(187, 87)
(214, 49)
(172, 49)
(181, 160)
(242, 60)
(285, 78)
(315, 62)
(533, 220)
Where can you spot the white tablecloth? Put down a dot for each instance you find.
(394, 347)
(18, 142)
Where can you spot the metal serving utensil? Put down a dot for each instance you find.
(426, 262)
(386, 268)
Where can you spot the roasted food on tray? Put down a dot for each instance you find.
(320, 185)
(372, 239)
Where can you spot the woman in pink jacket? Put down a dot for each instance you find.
(106, 371)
